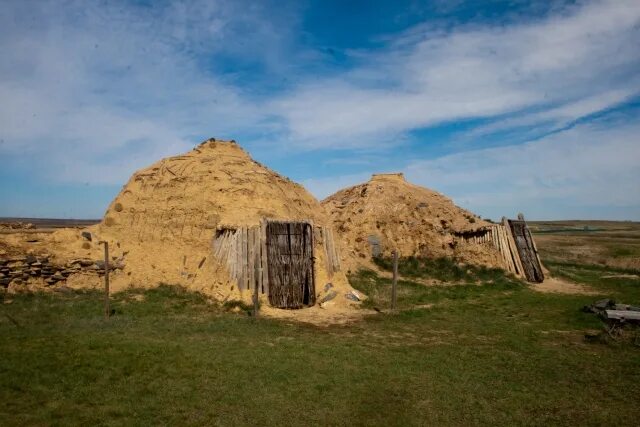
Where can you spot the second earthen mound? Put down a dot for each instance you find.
(388, 213)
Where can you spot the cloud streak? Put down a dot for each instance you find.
(564, 67)
(93, 91)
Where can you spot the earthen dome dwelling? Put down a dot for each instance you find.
(216, 221)
(387, 214)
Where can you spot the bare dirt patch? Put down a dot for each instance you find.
(556, 285)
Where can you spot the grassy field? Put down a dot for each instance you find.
(604, 243)
(487, 351)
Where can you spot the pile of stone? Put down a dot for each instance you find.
(17, 225)
(20, 269)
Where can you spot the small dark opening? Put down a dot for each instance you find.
(306, 294)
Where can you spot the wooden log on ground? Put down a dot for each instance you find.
(623, 314)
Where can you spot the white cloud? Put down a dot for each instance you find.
(558, 117)
(585, 55)
(567, 173)
(92, 92)
(590, 171)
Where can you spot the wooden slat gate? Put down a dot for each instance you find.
(526, 250)
(290, 264)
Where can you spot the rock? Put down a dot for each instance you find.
(57, 276)
(328, 286)
(86, 235)
(5, 282)
(30, 259)
(603, 303)
(17, 281)
(331, 295)
(353, 296)
(86, 262)
(99, 264)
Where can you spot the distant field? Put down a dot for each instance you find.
(605, 243)
(47, 224)
(52, 222)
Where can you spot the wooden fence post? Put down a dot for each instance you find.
(107, 309)
(394, 285)
(256, 300)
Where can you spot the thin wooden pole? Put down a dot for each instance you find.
(394, 285)
(107, 309)
(256, 307)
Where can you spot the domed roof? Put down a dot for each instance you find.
(217, 184)
(390, 213)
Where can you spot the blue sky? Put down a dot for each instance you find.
(505, 106)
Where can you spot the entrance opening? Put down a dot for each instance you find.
(290, 264)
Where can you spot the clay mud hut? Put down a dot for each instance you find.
(216, 221)
(388, 213)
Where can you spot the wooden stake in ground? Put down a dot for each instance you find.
(255, 301)
(107, 310)
(394, 285)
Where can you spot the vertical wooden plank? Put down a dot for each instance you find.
(255, 256)
(258, 256)
(250, 265)
(239, 259)
(513, 248)
(504, 249)
(244, 259)
(232, 255)
(264, 258)
(312, 286)
(334, 251)
(394, 284)
(327, 257)
(507, 251)
(535, 248)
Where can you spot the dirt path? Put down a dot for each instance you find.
(556, 285)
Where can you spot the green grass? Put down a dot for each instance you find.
(442, 269)
(477, 353)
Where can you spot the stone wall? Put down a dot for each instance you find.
(20, 270)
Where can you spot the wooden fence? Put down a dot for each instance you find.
(243, 251)
(501, 237)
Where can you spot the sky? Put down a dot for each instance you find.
(504, 106)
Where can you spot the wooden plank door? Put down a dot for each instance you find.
(526, 251)
(290, 264)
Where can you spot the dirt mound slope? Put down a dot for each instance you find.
(388, 212)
